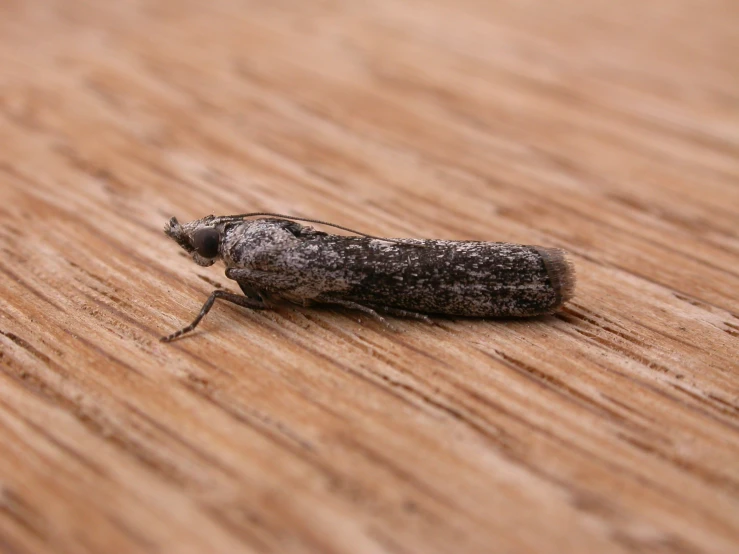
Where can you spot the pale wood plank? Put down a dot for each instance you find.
(608, 129)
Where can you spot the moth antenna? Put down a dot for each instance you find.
(320, 222)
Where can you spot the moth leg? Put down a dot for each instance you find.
(354, 306)
(224, 295)
(245, 279)
(403, 313)
(249, 291)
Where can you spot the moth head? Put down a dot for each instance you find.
(200, 238)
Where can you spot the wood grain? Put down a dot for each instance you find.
(610, 129)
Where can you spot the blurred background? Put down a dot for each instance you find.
(610, 129)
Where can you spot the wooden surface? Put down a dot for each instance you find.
(607, 128)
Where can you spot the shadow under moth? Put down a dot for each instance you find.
(274, 259)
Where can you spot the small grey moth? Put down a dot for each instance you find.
(274, 258)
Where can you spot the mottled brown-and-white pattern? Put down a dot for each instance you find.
(281, 259)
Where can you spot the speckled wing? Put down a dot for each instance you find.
(466, 278)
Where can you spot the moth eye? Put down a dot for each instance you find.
(205, 242)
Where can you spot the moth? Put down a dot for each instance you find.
(275, 259)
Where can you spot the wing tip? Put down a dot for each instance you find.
(561, 272)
